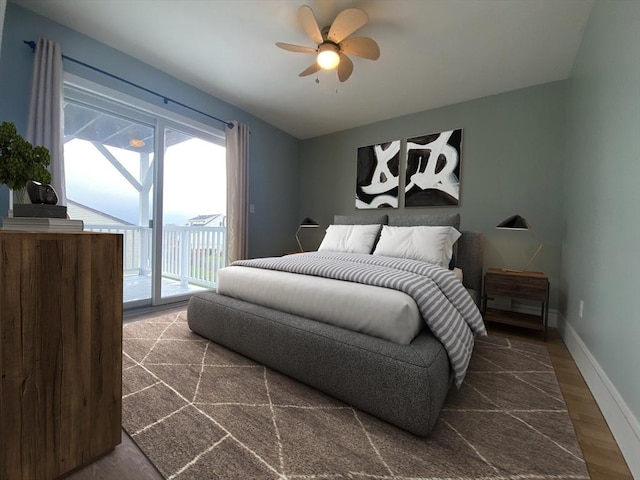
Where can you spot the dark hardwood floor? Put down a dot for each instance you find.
(600, 450)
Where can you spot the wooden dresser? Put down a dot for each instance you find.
(60, 351)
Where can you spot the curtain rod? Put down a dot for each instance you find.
(164, 98)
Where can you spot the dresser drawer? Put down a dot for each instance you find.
(516, 286)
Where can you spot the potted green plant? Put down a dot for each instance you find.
(20, 161)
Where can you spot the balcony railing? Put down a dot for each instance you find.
(192, 255)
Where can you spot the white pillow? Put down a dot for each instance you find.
(428, 244)
(350, 238)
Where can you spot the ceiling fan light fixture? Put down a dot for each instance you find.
(328, 57)
(334, 44)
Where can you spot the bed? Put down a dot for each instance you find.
(402, 383)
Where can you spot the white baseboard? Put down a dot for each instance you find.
(621, 420)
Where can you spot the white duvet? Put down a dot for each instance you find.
(376, 311)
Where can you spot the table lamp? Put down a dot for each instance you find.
(517, 222)
(306, 223)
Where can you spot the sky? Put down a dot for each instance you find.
(194, 180)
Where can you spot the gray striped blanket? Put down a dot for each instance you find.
(444, 303)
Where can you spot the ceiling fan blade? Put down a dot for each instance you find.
(313, 68)
(345, 68)
(347, 22)
(309, 24)
(296, 48)
(364, 47)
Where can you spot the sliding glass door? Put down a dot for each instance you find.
(193, 237)
(109, 174)
(158, 182)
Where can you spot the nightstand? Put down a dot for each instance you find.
(532, 286)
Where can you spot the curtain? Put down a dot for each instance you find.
(45, 126)
(237, 144)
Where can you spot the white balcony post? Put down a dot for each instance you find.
(185, 245)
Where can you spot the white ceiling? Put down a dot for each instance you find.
(433, 52)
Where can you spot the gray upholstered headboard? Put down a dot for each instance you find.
(470, 261)
(367, 219)
(469, 257)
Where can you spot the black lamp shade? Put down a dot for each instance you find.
(308, 223)
(514, 223)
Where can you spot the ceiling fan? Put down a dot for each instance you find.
(332, 42)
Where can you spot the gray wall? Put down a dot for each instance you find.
(273, 168)
(601, 239)
(512, 157)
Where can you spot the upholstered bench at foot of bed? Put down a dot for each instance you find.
(403, 384)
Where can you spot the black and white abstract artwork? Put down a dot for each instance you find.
(433, 169)
(378, 176)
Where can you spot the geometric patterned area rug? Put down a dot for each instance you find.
(200, 411)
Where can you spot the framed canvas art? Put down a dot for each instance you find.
(378, 175)
(433, 170)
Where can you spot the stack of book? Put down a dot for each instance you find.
(41, 224)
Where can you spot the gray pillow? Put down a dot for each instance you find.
(425, 219)
(377, 219)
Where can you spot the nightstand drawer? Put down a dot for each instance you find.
(527, 287)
